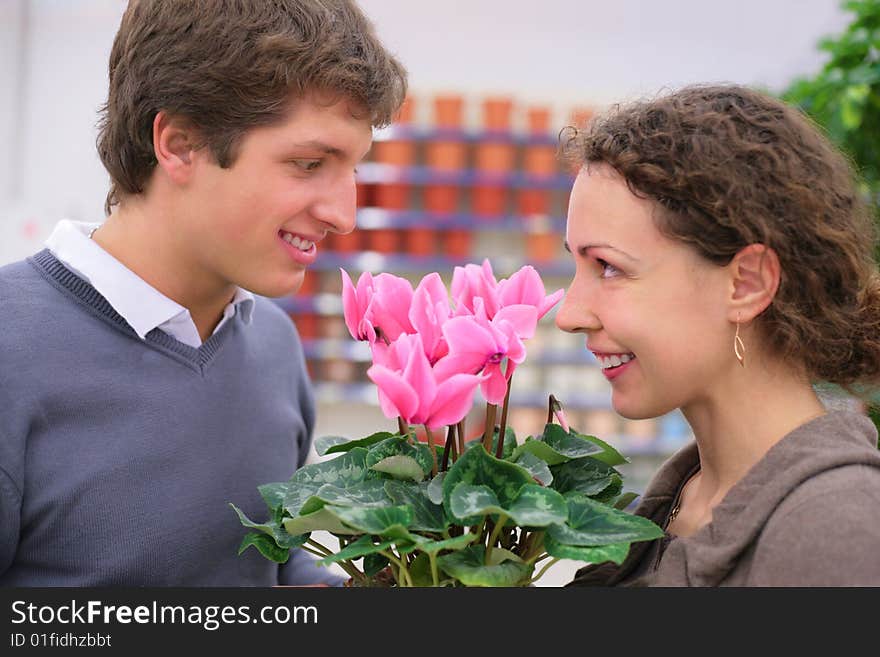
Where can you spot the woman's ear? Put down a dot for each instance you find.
(754, 278)
(174, 143)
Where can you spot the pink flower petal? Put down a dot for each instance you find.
(494, 387)
(454, 400)
(524, 319)
(397, 397)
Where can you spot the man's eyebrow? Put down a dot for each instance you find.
(320, 146)
(587, 247)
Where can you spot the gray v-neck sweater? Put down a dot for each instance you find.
(119, 456)
(807, 514)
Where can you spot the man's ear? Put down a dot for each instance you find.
(175, 141)
(754, 279)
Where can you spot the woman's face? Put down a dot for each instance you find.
(652, 310)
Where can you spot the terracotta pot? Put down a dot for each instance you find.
(349, 243)
(457, 243)
(448, 110)
(421, 241)
(441, 198)
(383, 240)
(392, 196)
(489, 201)
(494, 156)
(533, 202)
(446, 155)
(496, 113)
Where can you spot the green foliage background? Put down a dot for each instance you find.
(844, 98)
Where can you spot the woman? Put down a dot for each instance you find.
(724, 264)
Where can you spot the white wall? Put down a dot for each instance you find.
(568, 51)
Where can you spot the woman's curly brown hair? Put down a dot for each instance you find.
(729, 167)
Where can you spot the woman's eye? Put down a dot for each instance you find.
(608, 270)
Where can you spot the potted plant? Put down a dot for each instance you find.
(492, 511)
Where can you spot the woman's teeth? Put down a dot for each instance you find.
(297, 242)
(613, 361)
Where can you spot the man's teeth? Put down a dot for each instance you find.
(297, 242)
(613, 361)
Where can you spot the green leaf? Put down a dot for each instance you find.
(427, 515)
(536, 467)
(420, 571)
(374, 564)
(435, 488)
(342, 472)
(506, 450)
(332, 444)
(389, 522)
(625, 500)
(585, 475)
(558, 446)
(592, 523)
(454, 543)
(272, 528)
(273, 494)
(468, 567)
(608, 455)
(399, 446)
(400, 466)
(266, 545)
(536, 506)
(469, 503)
(359, 548)
(321, 520)
(478, 468)
(615, 552)
(369, 493)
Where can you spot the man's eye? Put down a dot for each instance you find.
(308, 165)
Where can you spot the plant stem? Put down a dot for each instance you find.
(405, 429)
(433, 451)
(502, 519)
(325, 550)
(490, 427)
(543, 570)
(447, 448)
(403, 578)
(551, 406)
(435, 574)
(503, 429)
(460, 437)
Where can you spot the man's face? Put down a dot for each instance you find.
(258, 224)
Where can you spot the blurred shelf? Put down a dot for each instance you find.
(375, 262)
(377, 173)
(359, 352)
(376, 218)
(398, 132)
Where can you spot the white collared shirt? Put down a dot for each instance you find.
(138, 302)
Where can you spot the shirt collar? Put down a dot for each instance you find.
(138, 302)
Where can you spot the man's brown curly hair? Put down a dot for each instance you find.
(728, 167)
(232, 65)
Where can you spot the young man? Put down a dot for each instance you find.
(143, 385)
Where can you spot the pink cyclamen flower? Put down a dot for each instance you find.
(376, 305)
(428, 312)
(471, 282)
(526, 287)
(478, 344)
(410, 388)
(389, 308)
(355, 306)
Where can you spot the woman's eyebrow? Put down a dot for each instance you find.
(587, 247)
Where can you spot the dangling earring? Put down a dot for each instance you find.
(739, 349)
